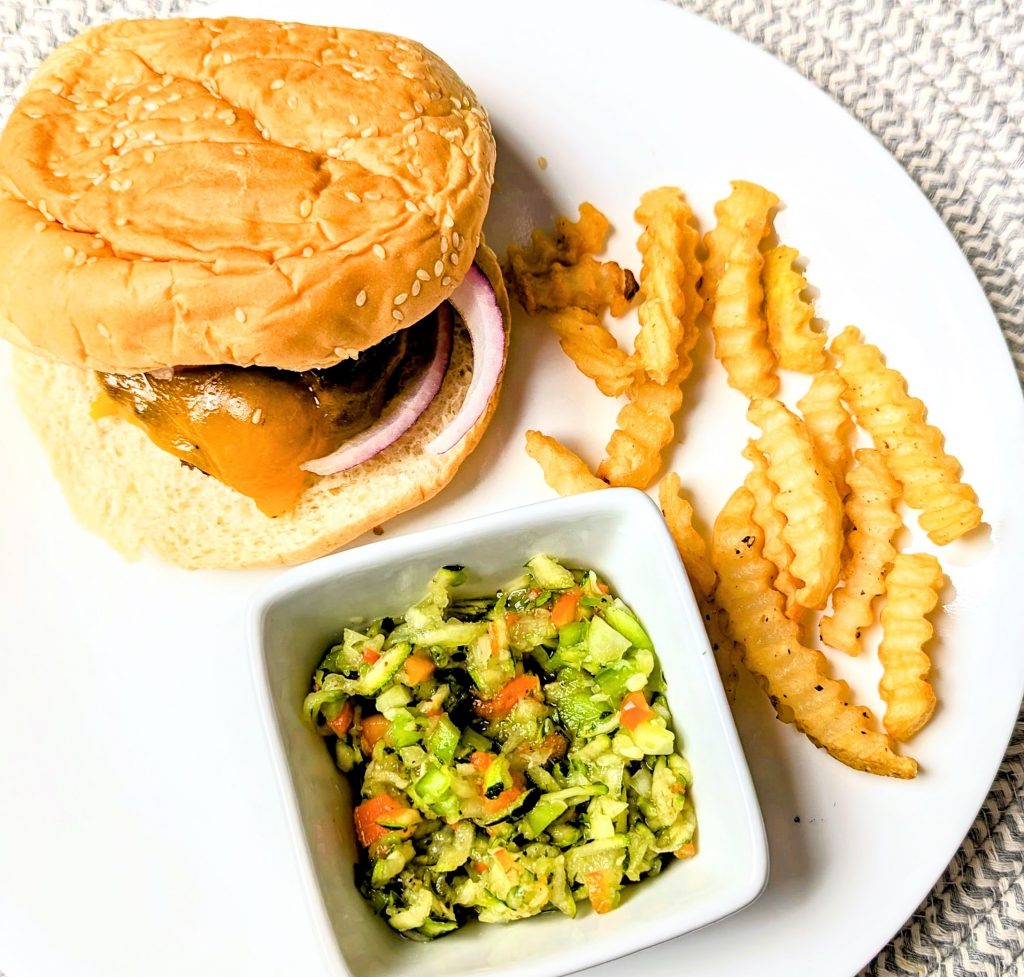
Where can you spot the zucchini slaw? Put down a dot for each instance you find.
(513, 754)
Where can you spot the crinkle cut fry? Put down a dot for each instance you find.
(593, 350)
(790, 330)
(645, 428)
(563, 469)
(737, 317)
(669, 300)
(570, 242)
(795, 677)
(807, 497)
(587, 284)
(772, 523)
(911, 593)
(873, 524)
(829, 424)
(913, 449)
(694, 553)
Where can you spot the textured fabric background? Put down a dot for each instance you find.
(941, 84)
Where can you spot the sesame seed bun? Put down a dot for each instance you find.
(205, 192)
(124, 488)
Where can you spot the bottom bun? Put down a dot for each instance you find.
(138, 497)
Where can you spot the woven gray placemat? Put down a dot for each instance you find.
(941, 84)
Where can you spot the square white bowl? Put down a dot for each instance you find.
(618, 532)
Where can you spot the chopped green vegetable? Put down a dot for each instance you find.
(526, 764)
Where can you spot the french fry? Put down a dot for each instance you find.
(563, 469)
(790, 331)
(570, 242)
(737, 319)
(669, 300)
(693, 550)
(807, 498)
(593, 350)
(588, 284)
(644, 429)
(873, 520)
(772, 523)
(829, 424)
(746, 212)
(912, 591)
(913, 449)
(728, 653)
(795, 677)
(694, 553)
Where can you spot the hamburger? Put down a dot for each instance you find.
(243, 266)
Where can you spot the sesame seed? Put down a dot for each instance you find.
(414, 169)
(257, 415)
(456, 102)
(457, 239)
(411, 207)
(418, 106)
(59, 173)
(152, 88)
(118, 141)
(135, 100)
(276, 84)
(149, 156)
(126, 184)
(417, 287)
(265, 134)
(422, 275)
(353, 120)
(307, 252)
(353, 53)
(368, 131)
(373, 195)
(39, 226)
(354, 197)
(396, 315)
(238, 150)
(305, 208)
(34, 115)
(91, 261)
(69, 252)
(240, 314)
(446, 281)
(454, 257)
(361, 298)
(174, 97)
(379, 251)
(413, 141)
(444, 245)
(334, 152)
(293, 101)
(80, 258)
(438, 268)
(401, 297)
(406, 115)
(103, 330)
(151, 106)
(57, 89)
(120, 221)
(227, 59)
(448, 221)
(97, 242)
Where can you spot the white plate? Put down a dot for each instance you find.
(140, 827)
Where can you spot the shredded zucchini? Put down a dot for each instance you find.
(530, 764)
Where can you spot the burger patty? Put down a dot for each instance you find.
(253, 427)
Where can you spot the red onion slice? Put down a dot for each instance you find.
(401, 415)
(476, 302)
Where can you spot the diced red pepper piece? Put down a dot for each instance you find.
(367, 814)
(501, 704)
(634, 710)
(564, 610)
(370, 655)
(374, 727)
(601, 885)
(686, 851)
(340, 724)
(418, 668)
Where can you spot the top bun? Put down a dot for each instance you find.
(199, 192)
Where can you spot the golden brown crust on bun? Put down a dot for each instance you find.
(193, 192)
(124, 488)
